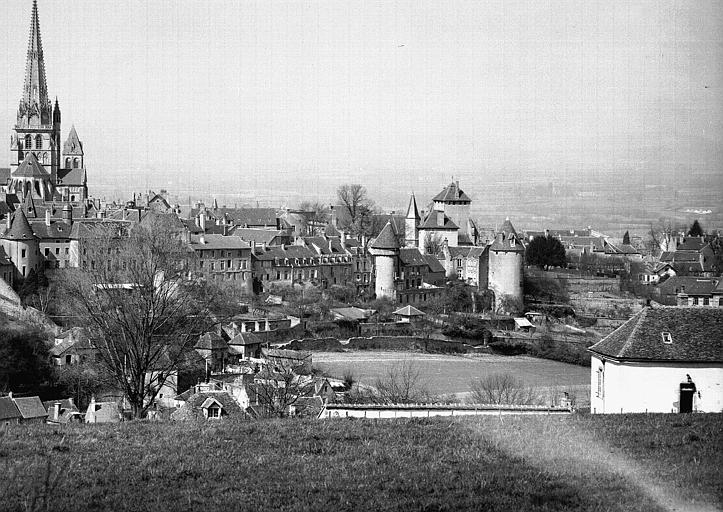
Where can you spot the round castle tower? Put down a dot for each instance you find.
(506, 263)
(385, 249)
(21, 245)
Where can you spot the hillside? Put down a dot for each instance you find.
(634, 462)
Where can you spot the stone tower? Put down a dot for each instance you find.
(37, 131)
(454, 203)
(506, 263)
(411, 223)
(385, 249)
(21, 245)
(72, 182)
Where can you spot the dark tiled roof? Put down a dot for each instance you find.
(65, 404)
(20, 228)
(192, 408)
(72, 145)
(434, 263)
(31, 168)
(289, 251)
(31, 407)
(248, 338)
(398, 222)
(4, 175)
(431, 221)
(8, 409)
(693, 243)
(695, 332)
(412, 211)
(386, 239)
(452, 192)
(259, 235)
(57, 229)
(507, 228)
(218, 242)
(411, 256)
(211, 341)
(690, 285)
(323, 243)
(507, 244)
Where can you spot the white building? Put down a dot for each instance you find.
(664, 359)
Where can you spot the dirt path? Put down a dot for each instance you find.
(581, 450)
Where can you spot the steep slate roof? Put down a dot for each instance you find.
(72, 145)
(31, 168)
(434, 263)
(323, 244)
(696, 335)
(30, 407)
(289, 251)
(431, 222)
(412, 210)
(692, 243)
(412, 256)
(452, 192)
(57, 229)
(247, 338)
(210, 341)
(20, 228)
(507, 228)
(386, 239)
(8, 409)
(259, 235)
(72, 177)
(506, 245)
(191, 410)
(690, 285)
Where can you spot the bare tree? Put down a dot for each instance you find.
(359, 208)
(141, 312)
(279, 385)
(315, 214)
(402, 383)
(502, 388)
(433, 243)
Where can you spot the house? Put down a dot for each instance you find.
(298, 360)
(62, 411)
(9, 413)
(102, 412)
(208, 405)
(664, 359)
(693, 257)
(352, 314)
(408, 314)
(31, 409)
(247, 344)
(72, 347)
(689, 290)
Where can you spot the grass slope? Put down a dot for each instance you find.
(539, 463)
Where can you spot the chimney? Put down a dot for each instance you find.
(70, 402)
(10, 395)
(8, 220)
(202, 221)
(202, 240)
(225, 230)
(342, 237)
(253, 247)
(56, 411)
(283, 247)
(47, 217)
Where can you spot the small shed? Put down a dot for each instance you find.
(524, 325)
(408, 314)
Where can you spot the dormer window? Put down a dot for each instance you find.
(667, 338)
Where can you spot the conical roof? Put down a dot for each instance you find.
(29, 205)
(72, 145)
(412, 211)
(35, 89)
(452, 192)
(20, 228)
(507, 228)
(386, 239)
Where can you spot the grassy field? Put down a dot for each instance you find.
(451, 374)
(578, 462)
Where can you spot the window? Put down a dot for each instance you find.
(28, 142)
(57, 251)
(22, 253)
(214, 412)
(667, 338)
(38, 142)
(67, 162)
(600, 376)
(47, 251)
(695, 301)
(706, 301)
(76, 163)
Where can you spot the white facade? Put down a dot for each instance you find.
(626, 387)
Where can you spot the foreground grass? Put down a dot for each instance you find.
(487, 463)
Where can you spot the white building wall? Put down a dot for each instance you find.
(653, 387)
(505, 274)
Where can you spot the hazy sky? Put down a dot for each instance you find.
(243, 95)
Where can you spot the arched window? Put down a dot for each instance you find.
(28, 142)
(67, 162)
(38, 142)
(76, 163)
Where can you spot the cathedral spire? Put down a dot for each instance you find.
(36, 89)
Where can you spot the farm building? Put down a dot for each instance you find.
(664, 359)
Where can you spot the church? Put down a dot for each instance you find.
(39, 164)
(45, 186)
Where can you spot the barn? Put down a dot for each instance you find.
(664, 359)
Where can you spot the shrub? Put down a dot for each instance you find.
(502, 388)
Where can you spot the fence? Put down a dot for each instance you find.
(393, 411)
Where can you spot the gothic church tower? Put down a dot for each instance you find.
(36, 137)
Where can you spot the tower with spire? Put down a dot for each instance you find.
(35, 161)
(411, 223)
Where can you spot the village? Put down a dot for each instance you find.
(397, 342)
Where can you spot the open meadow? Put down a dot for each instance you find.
(445, 374)
(533, 463)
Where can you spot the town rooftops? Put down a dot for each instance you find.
(689, 285)
(452, 193)
(434, 263)
(386, 239)
(210, 341)
(412, 256)
(685, 334)
(284, 251)
(259, 235)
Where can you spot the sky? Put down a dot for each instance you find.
(221, 97)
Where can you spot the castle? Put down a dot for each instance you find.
(448, 234)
